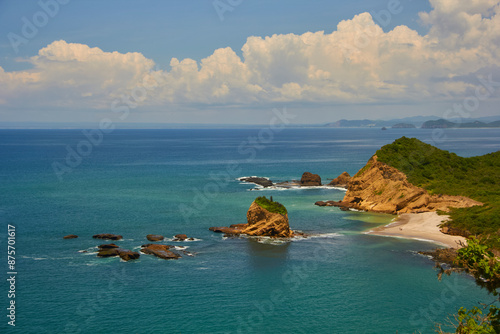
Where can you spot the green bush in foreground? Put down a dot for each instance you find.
(271, 206)
(481, 263)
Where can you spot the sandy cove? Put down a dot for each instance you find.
(420, 226)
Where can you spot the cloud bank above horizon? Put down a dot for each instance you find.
(358, 63)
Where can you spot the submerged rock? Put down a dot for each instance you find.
(108, 246)
(310, 179)
(107, 236)
(70, 236)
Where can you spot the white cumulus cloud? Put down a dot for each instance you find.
(356, 63)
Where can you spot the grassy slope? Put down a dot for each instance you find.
(275, 207)
(442, 172)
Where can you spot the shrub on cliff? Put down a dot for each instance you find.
(271, 206)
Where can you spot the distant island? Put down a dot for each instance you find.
(404, 126)
(442, 123)
(425, 122)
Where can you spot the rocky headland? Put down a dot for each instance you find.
(378, 187)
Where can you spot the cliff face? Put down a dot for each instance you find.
(264, 223)
(379, 187)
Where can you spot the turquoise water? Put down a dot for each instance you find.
(139, 182)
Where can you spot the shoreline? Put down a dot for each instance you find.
(419, 226)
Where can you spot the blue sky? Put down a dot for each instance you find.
(419, 60)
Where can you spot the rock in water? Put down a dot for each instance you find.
(341, 181)
(309, 179)
(107, 236)
(180, 237)
(127, 255)
(161, 251)
(270, 222)
(108, 246)
(70, 236)
(261, 181)
(262, 222)
(110, 250)
(155, 237)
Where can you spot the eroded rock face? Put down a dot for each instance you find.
(107, 236)
(381, 188)
(264, 223)
(341, 181)
(261, 222)
(161, 251)
(310, 179)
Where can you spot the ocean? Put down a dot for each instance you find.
(139, 182)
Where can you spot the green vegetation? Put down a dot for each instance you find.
(485, 267)
(270, 205)
(442, 172)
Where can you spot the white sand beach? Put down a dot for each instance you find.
(421, 226)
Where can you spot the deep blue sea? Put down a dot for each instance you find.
(139, 182)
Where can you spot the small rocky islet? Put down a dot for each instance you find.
(265, 218)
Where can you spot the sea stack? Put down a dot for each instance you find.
(310, 179)
(264, 218)
(267, 218)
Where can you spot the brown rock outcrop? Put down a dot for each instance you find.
(161, 251)
(310, 179)
(127, 255)
(261, 222)
(227, 230)
(341, 181)
(180, 237)
(264, 223)
(70, 236)
(155, 237)
(110, 250)
(379, 187)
